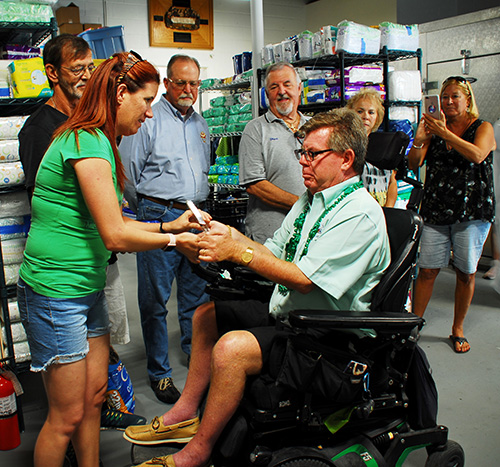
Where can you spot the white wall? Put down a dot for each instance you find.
(232, 29)
(367, 12)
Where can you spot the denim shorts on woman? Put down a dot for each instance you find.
(58, 328)
(465, 239)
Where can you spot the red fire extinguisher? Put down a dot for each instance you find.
(9, 425)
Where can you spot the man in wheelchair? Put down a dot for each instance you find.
(330, 253)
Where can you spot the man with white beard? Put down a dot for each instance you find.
(268, 166)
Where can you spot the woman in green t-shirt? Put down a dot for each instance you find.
(76, 222)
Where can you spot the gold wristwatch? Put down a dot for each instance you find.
(247, 256)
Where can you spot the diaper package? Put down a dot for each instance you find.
(9, 150)
(399, 36)
(10, 127)
(11, 174)
(14, 204)
(357, 38)
(405, 85)
(12, 250)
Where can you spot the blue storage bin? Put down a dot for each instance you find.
(104, 42)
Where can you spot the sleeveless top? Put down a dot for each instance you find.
(457, 190)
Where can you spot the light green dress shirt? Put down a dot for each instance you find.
(346, 258)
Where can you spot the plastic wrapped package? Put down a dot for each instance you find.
(14, 227)
(288, 51)
(329, 39)
(217, 129)
(214, 121)
(315, 96)
(358, 74)
(17, 332)
(267, 55)
(18, 52)
(11, 272)
(12, 250)
(317, 44)
(22, 352)
(209, 82)
(399, 36)
(10, 126)
(11, 174)
(215, 112)
(333, 92)
(25, 12)
(13, 307)
(278, 52)
(9, 150)
(14, 204)
(405, 85)
(235, 127)
(357, 38)
(403, 113)
(240, 108)
(305, 45)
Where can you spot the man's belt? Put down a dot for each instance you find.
(171, 203)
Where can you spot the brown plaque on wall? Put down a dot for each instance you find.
(181, 23)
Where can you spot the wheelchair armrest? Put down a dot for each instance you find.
(381, 321)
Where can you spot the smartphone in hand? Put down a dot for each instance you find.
(432, 106)
(192, 207)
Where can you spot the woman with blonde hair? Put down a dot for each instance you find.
(458, 205)
(380, 183)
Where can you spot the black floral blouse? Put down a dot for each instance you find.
(457, 190)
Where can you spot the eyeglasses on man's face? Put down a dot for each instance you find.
(181, 84)
(78, 71)
(310, 155)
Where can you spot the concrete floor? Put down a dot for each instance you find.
(468, 384)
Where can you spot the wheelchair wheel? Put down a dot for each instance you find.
(451, 456)
(305, 462)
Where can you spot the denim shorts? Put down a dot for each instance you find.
(465, 239)
(58, 328)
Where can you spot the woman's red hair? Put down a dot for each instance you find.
(97, 107)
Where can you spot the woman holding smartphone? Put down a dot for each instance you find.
(458, 205)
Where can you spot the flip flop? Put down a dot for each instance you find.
(458, 340)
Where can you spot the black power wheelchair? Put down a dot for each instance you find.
(369, 403)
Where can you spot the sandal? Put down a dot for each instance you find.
(460, 341)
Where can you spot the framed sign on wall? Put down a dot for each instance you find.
(181, 23)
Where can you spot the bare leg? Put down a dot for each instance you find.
(492, 272)
(236, 356)
(86, 437)
(74, 398)
(464, 292)
(423, 290)
(65, 388)
(205, 336)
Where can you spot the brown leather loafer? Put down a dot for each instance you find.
(157, 433)
(164, 461)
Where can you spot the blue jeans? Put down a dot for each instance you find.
(58, 329)
(156, 271)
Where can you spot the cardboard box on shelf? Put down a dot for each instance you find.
(70, 28)
(68, 14)
(91, 26)
(28, 78)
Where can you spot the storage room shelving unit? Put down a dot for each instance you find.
(343, 60)
(230, 209)
(31, 34)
